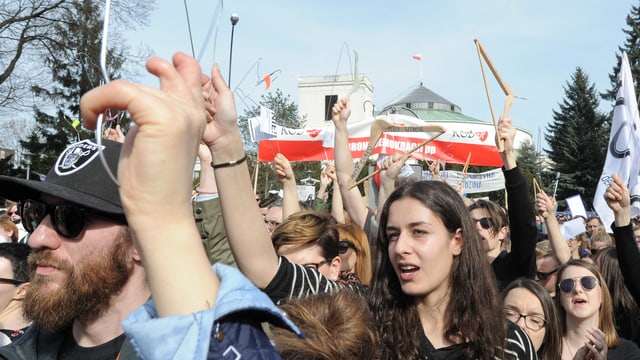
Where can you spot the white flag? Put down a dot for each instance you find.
(267, 122)
(622, 153)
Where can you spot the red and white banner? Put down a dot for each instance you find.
(460, 139)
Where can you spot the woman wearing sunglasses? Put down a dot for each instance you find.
(493, 223)
(353, 248)
(586, 314)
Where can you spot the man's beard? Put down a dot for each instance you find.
(86, 290)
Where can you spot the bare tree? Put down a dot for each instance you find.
(26, 37)
(33, 35)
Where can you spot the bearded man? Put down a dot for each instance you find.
(86, 275)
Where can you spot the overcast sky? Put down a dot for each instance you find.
(536, 46)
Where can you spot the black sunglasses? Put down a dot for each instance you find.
(68, 219)
(587, 282)
(545, 275)
(486, 223)
(344, 245)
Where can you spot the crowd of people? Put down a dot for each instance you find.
(151, 268)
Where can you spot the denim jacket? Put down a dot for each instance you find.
(230, 329)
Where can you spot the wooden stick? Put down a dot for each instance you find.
(425, 142)
(505, 88)
(465, 169)
(486, 89)
(377, 129)
(255, 176)
(482, 54)
(466, 165)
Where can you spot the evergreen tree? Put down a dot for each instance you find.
(285, 114)
(578, 137)
(73, 74)
(530, 164)
(632, 48)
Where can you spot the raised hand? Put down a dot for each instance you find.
(506, 133)
(545, 205)
(283, 169)
(221, 133)
(114, 134)
(158, 155)
(341, 111)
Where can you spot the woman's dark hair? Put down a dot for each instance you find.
(17, 254)
(497, 214)
(551, 348)
(471, 315)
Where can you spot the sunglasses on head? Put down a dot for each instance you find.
(545, 275)
(67, 219)
(587, 282)
(344, 245)
(486, 223)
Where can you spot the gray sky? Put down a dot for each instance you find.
(536, 46)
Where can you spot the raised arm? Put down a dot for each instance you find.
(546, 207)
(285, 175)
(155, 176)
(617, 197)
(351, 198)
(391, 168)
(337, 206)
(522, 220)
(246, 233)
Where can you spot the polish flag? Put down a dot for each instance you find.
(417, 57)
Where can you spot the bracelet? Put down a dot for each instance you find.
(230, 163)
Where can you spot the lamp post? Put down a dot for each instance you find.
(26, 159)
(234, 20)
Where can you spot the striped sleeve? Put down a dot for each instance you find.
(294, 281)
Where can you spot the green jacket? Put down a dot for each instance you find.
(208, 216)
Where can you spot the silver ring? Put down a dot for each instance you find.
(599, 348)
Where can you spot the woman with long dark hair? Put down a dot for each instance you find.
(433, 292)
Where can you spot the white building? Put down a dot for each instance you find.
(317, 94)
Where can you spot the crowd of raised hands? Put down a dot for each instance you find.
(433, 286)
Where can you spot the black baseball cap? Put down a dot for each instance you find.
(79, 177)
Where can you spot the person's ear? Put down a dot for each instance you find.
(135, 255)
(502, 234)
(21, 291)
(334, 266)
(457, 243)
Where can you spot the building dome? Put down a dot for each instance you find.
(425, 104)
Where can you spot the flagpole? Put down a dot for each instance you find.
(255, 176)
(418, 57)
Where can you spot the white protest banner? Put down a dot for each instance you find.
(576, 206)
(572, 228)
(267, 122)
(306, 192)
(474, 183)
(461, 138)
(622, 153)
